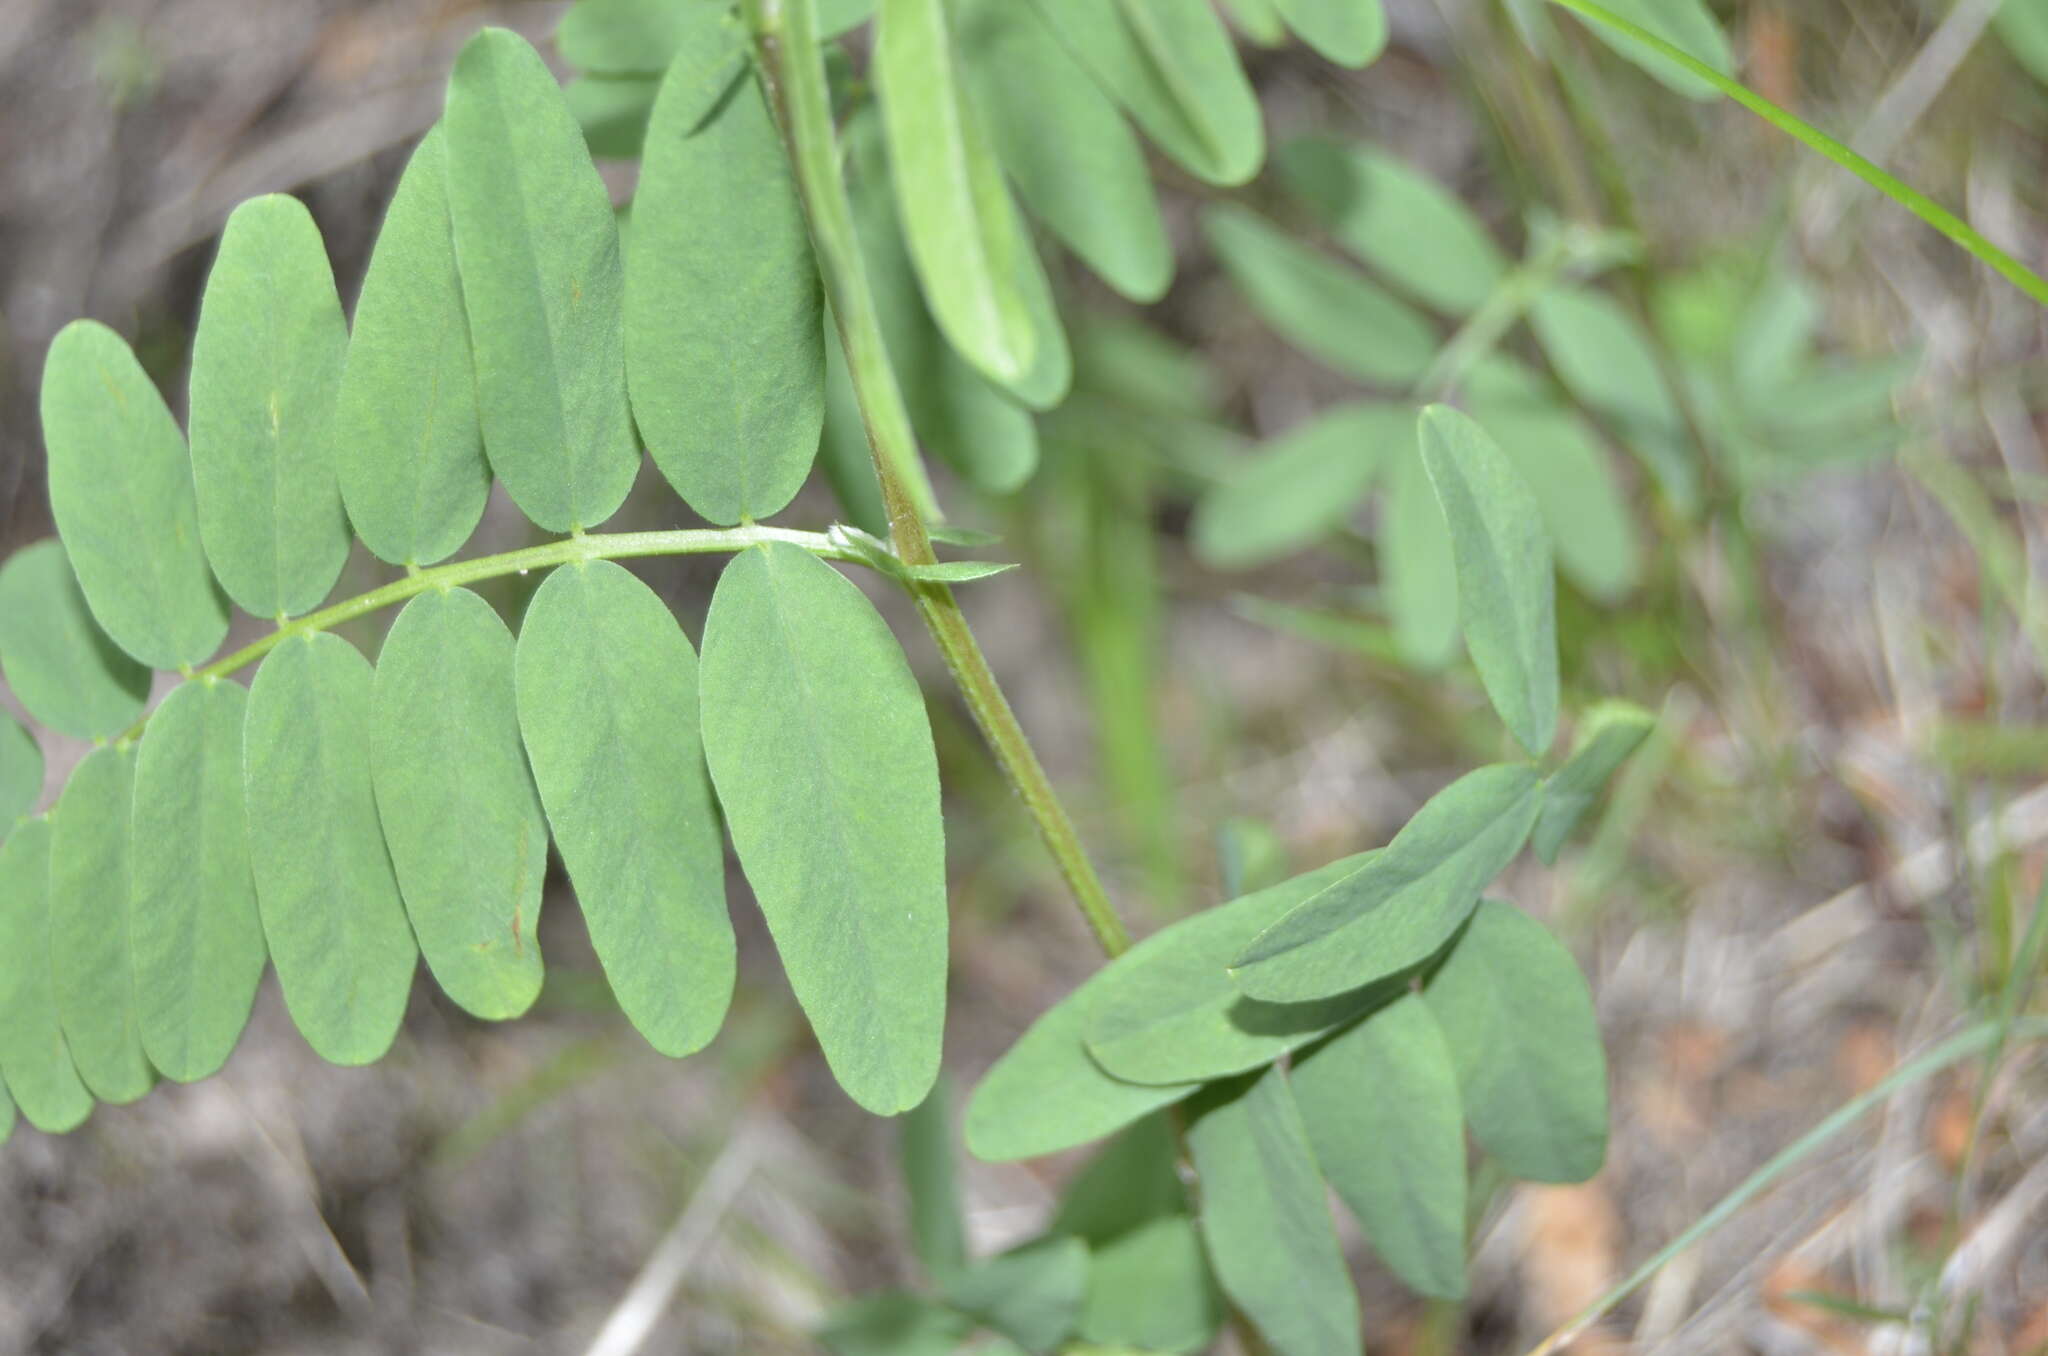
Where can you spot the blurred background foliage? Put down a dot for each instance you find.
(1790, 445)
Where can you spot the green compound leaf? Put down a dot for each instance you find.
(198, 939)
(1178, 1017)
(1606, 360)
(21, 772)
(1149, 1285)
(1266, 1220)
(938, 1222)
(91, 958)
(1687, 25)
(1301, 486)
(964, 234)
(1324, 308)
(1396, 219)
(822, 755)
(324, 886)
(409, 453)
(1173, 66)
(612, 111)
(1031, 1294)
(1348, 32)
(640, 37)
(725, 346)
(1258, 20)
(1561, 459)
(2023, 28)
(1380, 1101)
(461, 818)
(33, 1057)
(607, 689)
(121, 490)
(538, 250)
(972, 424)
(893, 1324)
(1507, 587)
(1418, 575)
(1519, 1021)
(57, 660)
(1609, 733)
(1073, 159)
(1397, 908)
(1047, 1094)
(266, 363)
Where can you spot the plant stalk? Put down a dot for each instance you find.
(793, 73)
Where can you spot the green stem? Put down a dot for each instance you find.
(793, 69)
(1912, 199)
(569, 550)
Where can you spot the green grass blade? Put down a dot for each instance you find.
(1908, 197)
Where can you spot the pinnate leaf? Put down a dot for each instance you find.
(1326, 309)
(266, 363)
(33, 1056)
(1609, 362)
(121, 491)
(607, 699)
(58, 662)
(819, 746)
(1348, 32)
(1178, 1017)
(1507, 588)
(538, 251)
(1609, 733)
(1031, 1294)
(1173, 66)
(725, 354)
(1519, 1022)
(1074, 161)
(91, 954)
(331, 910)
(1397, 908)
(1418, 574)
(1395, 218)
(21, 772)
(964, 234)
(198, 938)
(461, 818)
(1301, 486)
(1265, 1218)
(409, 451)
(1380, 1101)
(1686, 24)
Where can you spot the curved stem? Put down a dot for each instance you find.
(1912, 199)
(793, 71)
(569, 550)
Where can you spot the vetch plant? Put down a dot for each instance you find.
(812, 269)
